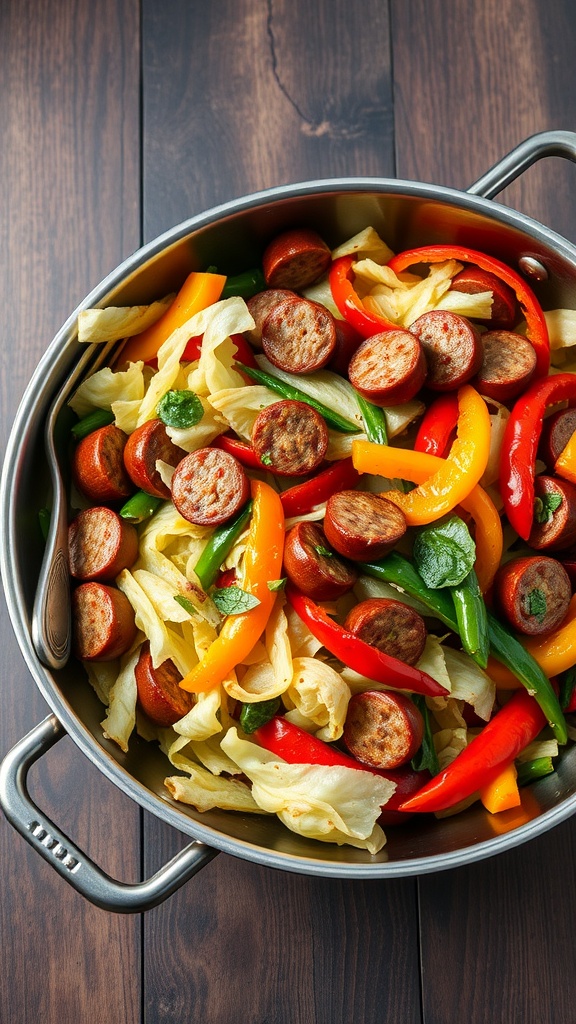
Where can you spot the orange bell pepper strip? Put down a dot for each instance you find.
(565, 465)
(262, 564)
(198, 292)
(502, 793)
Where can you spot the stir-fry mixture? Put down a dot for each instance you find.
(323, 539)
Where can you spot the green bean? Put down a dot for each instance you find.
(246, 284)
(528, 771)
(140, 506)
(219, 545)
(93, 421)
(472, 619)
(374, 420)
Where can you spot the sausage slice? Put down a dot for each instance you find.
(299, 336)
(554, 524)
(209, 486)
(391, 626)
(388, 368)
(98, 465)
(508, 363)
(100, 544)
(259, 306)
(145, 446)
(103, 622)
(361, 525)
(313, 567)
(295, 259)
(533, 593)
(160, 695)
(290, 437)
(452, 348)
(382, 729)
(473, 280)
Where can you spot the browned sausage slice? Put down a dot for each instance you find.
(361, 525)
(508, 362)
(313, 567)
(209, 486)
(259, 306)
(533, 593)
(557, 431)
(473, 280)
(554, 525)
(299, 336)
(160, 695)
(290, 437)
(382, 729)
(145, 446)
(100, 544)
(389, 625)
(295, 259)
(388, 368)
(103, 625)
(98, 465)
(452, 348)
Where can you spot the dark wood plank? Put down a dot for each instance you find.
(69, 171)
(478, 81)
(237, 97)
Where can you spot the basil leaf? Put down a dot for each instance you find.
(536, 601)
(444, 553)
(252, 716)
(233, 600)
(180, 409)
(545, 507)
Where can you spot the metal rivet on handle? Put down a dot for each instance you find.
(532, 267)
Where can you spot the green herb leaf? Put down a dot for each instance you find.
(180, 409)
(233, 600)
(185, 603)
(321, 550)
(536, 602)
(274, 585)
(545, 507)
(426, 757)
(266, 459)
(252, 716)
(444, 553)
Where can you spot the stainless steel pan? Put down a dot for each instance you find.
(233, 236)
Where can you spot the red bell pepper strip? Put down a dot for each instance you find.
(296, 746)
(509, 732)
(357, 654)
(438, 425)
(350, 304)
(520, 444)
(537, 331)
(241, 450)
(302, 498)
(244, 352)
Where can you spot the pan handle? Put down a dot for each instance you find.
(70, 862)
(553, 143)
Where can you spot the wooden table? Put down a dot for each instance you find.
(118, 120)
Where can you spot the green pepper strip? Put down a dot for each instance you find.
(289, 391)
(472, 619)
(528, 771)
(254, 716)
(140, 506)
(93, 421)
(374, 421)
(246, 284)
(219, 545)
(503, 645)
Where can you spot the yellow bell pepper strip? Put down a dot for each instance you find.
(454, 478)
(536, 327)
(502, 793)
(198, 292)
(262, 563)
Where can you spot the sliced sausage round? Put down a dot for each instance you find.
(391, 626)
(209, 486)
(508, 363)
(295, 259)
(100, 544)
(556, 433)
(388, 368)
(554, 523)
(363, 526)
(290, 437)
(533, 593)
(148, 444)
(260, 305)
(452, 348)
(299, 336)
(473, 280)
(313, 567)
(103, 622)
(160, 695)
(98, 465)
(382, 729)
